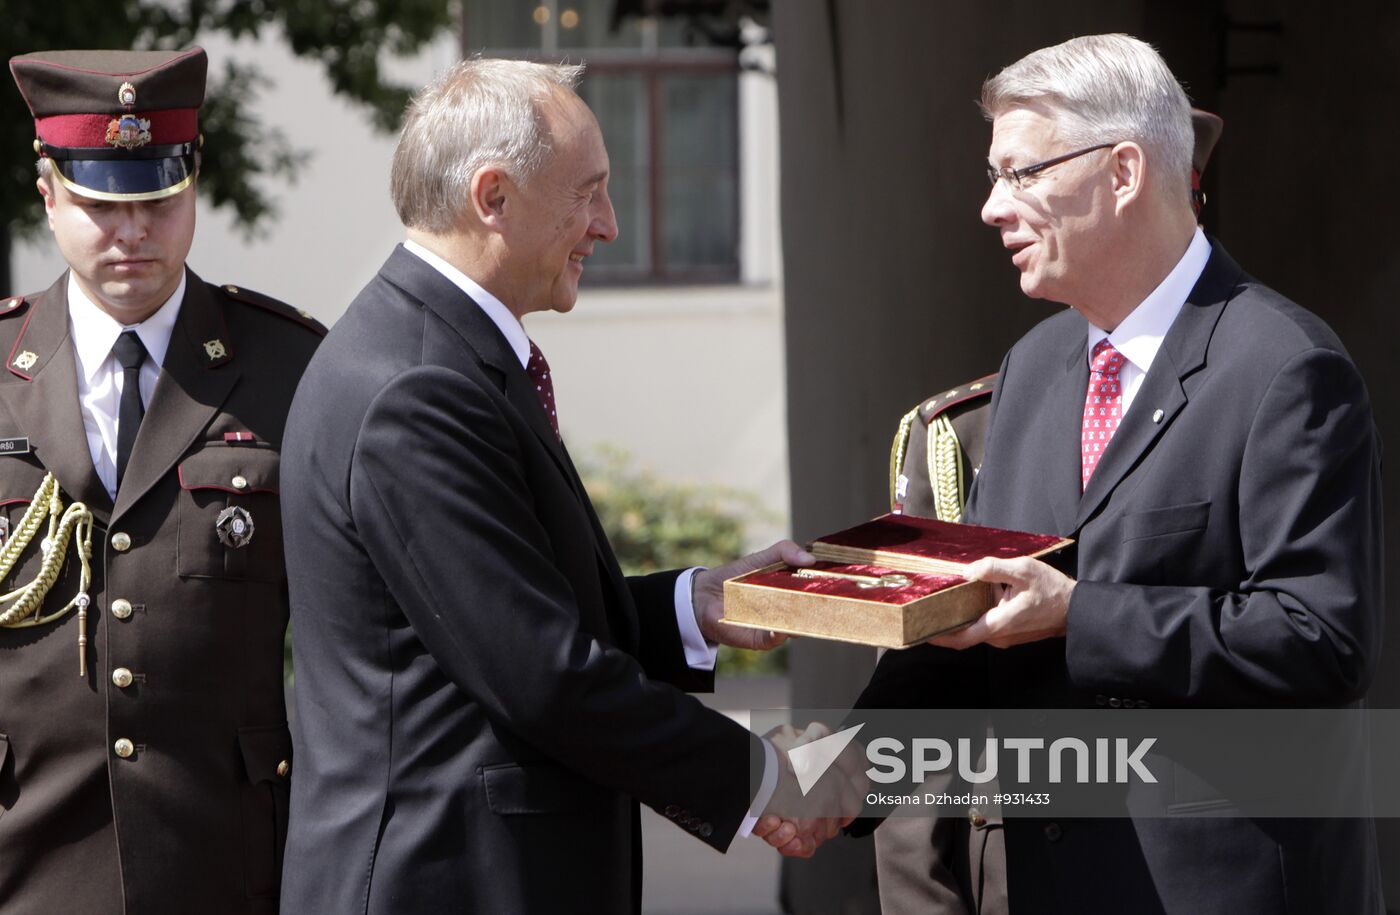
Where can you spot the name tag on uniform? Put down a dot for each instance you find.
(14, 446)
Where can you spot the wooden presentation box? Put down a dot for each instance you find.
(891, 582)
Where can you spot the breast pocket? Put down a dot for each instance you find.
(1187, 518)
(230, 521)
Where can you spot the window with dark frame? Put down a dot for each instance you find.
(669, 115)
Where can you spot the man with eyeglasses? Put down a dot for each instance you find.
(1209, 445)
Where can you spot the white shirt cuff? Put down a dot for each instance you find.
(766, 787)
(700, 654)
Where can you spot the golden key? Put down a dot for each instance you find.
(891, 580)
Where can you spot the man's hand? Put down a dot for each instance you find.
(708, 596)
(1034, 605)
(838, 795)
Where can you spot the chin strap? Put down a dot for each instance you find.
(28, 600)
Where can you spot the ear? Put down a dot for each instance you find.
(46, 191)
(490, 189)
(1129, 173)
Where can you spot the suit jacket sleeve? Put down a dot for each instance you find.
(1303, 626)
(444, 509)
(662, 654)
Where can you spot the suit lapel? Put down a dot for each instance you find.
(1066, 419)
(194, 382)
(1162, 394)
(45, 406)
(455, 308)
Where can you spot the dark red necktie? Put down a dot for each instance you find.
(1103, 406)
(538, 370)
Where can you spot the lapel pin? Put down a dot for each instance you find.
(1157, 416)
(25, 361)
(214, 349)
(234, 527)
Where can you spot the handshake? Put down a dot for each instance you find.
(806, 808)
(815, 796)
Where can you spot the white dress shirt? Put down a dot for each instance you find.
(699, 653)
(100, 378)
(1141, 333)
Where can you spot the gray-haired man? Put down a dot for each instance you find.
(482, 697)
(1210, 446)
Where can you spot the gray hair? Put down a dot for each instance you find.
(1105, 88)
(480, 112)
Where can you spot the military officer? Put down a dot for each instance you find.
(144, 752)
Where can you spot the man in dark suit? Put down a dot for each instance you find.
(144, 751)
(482, 697)
(1210, 446)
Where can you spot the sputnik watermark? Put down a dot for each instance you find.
(1112, 759)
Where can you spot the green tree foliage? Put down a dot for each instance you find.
(654, 524)
(350, 39)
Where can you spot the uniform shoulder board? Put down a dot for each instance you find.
(938, 403)
(267, 303)
(12, 305)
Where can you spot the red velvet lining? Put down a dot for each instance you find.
(920, 584)
(930, 539)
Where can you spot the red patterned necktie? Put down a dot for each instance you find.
(1103, 407)
(538, 370)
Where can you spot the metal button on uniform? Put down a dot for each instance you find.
(284, 768)
(1053, 832)
(121, 608)
(121, 541)
(124, 748)
(705, 830)
(121, 677)
(240, 482)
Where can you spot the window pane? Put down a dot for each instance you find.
(701, 171)
(502, 26)
(620, 103)
(588, 24)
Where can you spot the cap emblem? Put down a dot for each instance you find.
(25, 361)
(129, 132)
(126, 95)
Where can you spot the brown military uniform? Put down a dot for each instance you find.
(158, 782)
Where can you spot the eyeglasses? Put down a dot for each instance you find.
(1014, 176)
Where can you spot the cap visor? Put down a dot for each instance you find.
(126, 179)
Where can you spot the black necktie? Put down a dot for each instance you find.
(130, 353)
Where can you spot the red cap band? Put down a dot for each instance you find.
(174, 125)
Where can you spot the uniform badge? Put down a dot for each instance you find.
(129, 131)
(126, 95)
(214, 349)
(234, 527)
(26, 360)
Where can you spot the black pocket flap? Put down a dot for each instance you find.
(267, 752)
(1173, 519)
(542, 788)
(222, 467)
